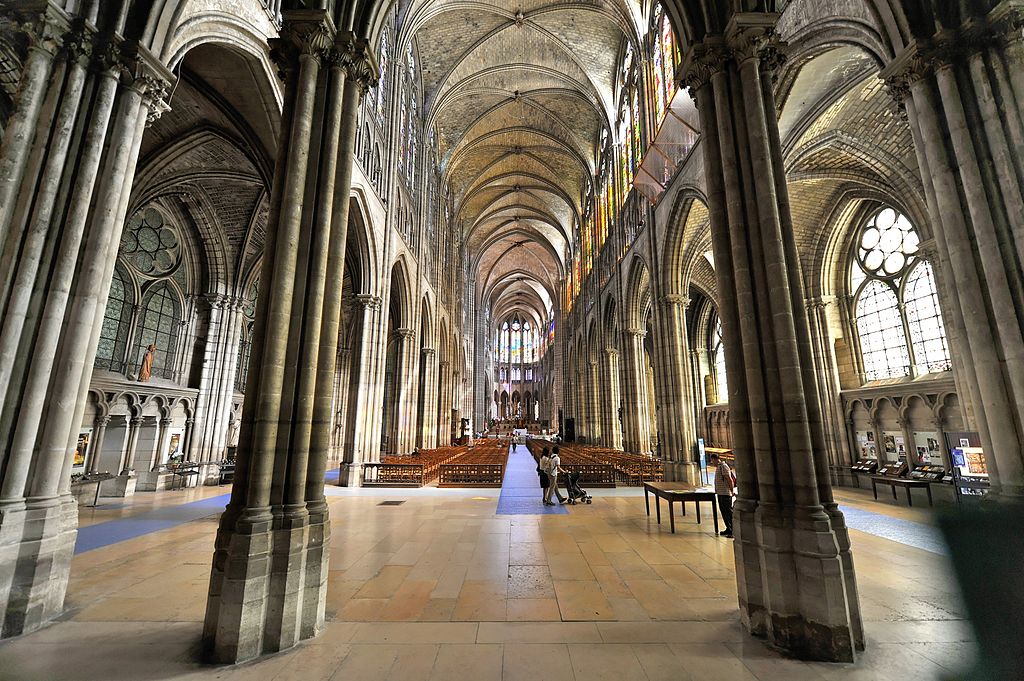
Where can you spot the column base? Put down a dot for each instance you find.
(802, 605)
(350, 475)
(683, 472)
(37, 542)
(121, 486)
(268, 585)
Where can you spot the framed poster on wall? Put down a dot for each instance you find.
(174, 442)
(81, 451)
(865, 444)
(927, 450)
(895, 446)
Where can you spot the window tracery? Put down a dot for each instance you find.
(898, 321)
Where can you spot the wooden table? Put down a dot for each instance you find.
(905, 483)
(681, 492)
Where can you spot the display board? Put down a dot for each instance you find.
(81, 451)
(866, 448)
(894, 444)
(927, 450)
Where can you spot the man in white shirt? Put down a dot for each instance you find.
(724, 486)
(554, 467)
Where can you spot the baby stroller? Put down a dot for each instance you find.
(575, 492)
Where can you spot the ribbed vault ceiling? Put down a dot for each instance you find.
(519, 92)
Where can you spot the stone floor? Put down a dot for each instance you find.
(441, 587)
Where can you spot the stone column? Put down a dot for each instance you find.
(161, 441)
(610, 400)
(217, 379)
(444, 408)
(99, 431)
(269, 574)
(964, 97)
(593, 396)
(67, 161)
(363, 413)
(827, 377)
(677, 430)
(794, 569)
(405, 381)
(340, 402)
(428, 425)
(131, 446)
(636, 427)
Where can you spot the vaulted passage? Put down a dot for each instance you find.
(283, 281)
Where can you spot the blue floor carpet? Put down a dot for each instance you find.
(918, 535)
(520, 490)
(114, 531)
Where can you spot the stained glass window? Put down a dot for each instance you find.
(159, 324)
(663, 60)
(383, 60)
(899, 324)
(718, 354)
(504, 342)
(114, 332)
(516, 374)
(927, 332)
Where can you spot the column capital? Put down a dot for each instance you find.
(355, 56)
(166, 421)
(405, 333)
(136, 421)
(430, 352)
(818, 302)
(928, 250)
(675, 299)
(101, 420)
(611, 352)
(306, 33)
(751, 35)
(443, 363)
(368, 301)
(44, 29)
(638, 333)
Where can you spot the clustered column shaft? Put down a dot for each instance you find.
(67, 161)
(269, 575)
(786, 522)
(964, 95)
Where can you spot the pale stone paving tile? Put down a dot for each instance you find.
(537, 662)
(461, 661)
(605, 662)
(538, 632)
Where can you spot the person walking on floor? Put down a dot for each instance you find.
(542, 471)
(554, 467)
(725, 483)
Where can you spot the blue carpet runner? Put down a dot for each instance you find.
(114, 531)
(520, 490)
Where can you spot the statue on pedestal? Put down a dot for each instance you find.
(146, 370)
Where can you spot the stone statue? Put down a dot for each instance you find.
(146, 370)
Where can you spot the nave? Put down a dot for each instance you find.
(450, 583)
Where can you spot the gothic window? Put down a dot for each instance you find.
(114, 332)
(516, 374)
(899, 325)
(150, 258)
(503, 374)
(159, 324)
(663, 62)
(379, 97)
(503, 354)
(529, 374)
(718, 356)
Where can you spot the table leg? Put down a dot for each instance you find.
(647, 501)
(929, 490)
(682, 505)
(894, 498)
(874, 489)
(910, 502)
(657, 506)
(714, 513)
(696, 505)
(671, 516)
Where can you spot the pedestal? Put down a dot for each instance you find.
(351, 475)
(120, 486)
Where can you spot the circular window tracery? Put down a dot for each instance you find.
(150, 245)
(888, 243)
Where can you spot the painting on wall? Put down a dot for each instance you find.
(81, 449)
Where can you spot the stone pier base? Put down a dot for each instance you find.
(37, 542)
(351, 475)
(268, 586)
